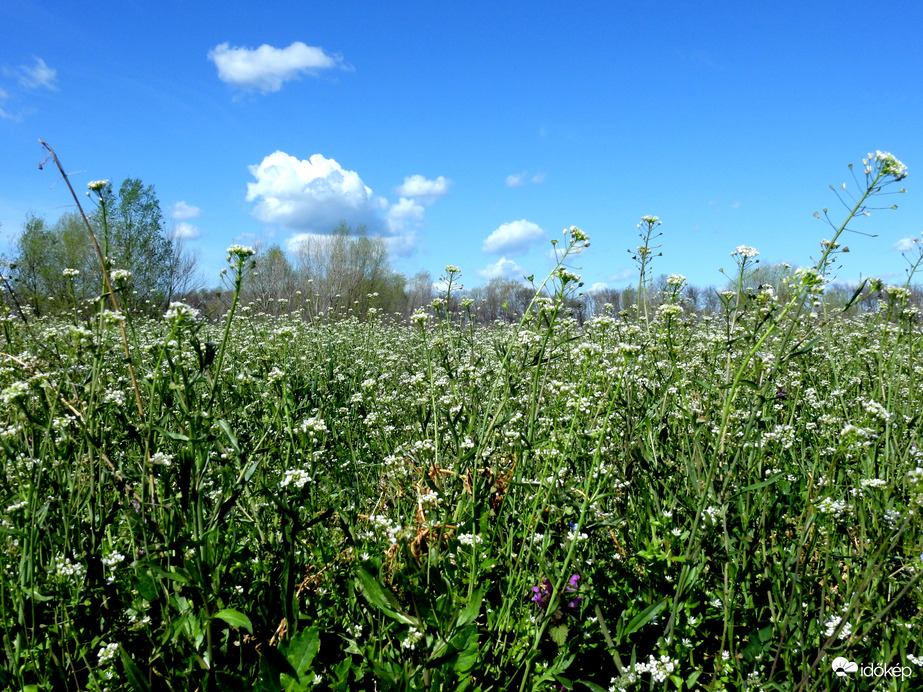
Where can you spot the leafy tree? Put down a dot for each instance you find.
(130, 228)
(44, 252)
(134, 238)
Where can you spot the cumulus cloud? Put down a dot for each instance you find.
(185, 231)
(905, 244)
(312, 196)
(403, 213)
(513, 238)
(181, 210)
(266, 68)
(34, 76)
(520, 179)
(503, 268)
(423, 190)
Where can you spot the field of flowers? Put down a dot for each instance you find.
(649, 500)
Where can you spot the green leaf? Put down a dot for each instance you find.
(145, 586)
(223, 424)
(559, 634)
(35, 595)
(302, 649)
(235, 618)
(471, 610)
(380, 597)
(466, 642)
(172, 435)
(133, 673)
(592, 686)
(761, 484)
(644, 617)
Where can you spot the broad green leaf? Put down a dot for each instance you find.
(145, 586)
(471, 610)
(380, 597)
(466, 642)
(558, 634)
(302, 649)
(235, 618)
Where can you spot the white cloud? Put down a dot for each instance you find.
(905, 244)
(599, 286)
(5, 114)
(520, 179)
(310, 195)
(266, 68)
(426, 191)
(402, 245)
(513, 238)
(181, 210)
(186, 231)
(504, 268)
(623, 275)
(34, 76)
(399, 215)
(313, 196)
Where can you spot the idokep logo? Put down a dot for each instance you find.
(843, 667)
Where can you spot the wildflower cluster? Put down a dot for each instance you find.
(181, 312)
(883, 163)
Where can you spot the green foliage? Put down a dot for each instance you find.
(724, 503)
(132, 235)
(131, 231)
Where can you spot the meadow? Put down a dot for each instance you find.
(650, 499)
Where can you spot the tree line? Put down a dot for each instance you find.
(55, 269)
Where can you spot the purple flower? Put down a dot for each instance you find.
(542, 593)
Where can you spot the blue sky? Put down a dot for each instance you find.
(474, 133)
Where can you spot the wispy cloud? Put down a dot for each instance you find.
(34, 76)
(906, 244)
(520, 179)
(513, 238)
(5, 114)
(267, 68)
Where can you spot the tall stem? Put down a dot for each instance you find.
(108, 283)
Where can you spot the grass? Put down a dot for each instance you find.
(650, 500)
